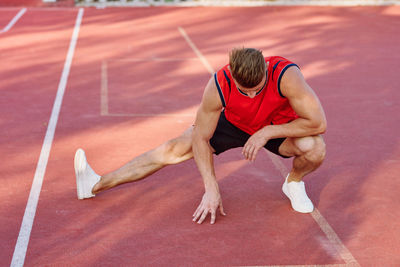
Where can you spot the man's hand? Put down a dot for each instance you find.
(209, 204)
(253, 144)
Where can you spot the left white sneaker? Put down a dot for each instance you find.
(86, 178)
(296, 192)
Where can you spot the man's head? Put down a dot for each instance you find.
(247, 66)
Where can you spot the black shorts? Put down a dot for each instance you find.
(227, 136)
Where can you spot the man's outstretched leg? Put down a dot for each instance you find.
(309, 154)
(171, 152)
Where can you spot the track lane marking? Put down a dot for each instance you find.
(196, 50)
(316, 215)
(13, 21)
(104, 90)
(21, 246)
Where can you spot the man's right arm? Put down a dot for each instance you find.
(205, 125)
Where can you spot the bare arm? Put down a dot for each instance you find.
(305, 103)
(206, 122)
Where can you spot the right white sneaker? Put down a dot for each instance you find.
(86, 178)
(296, 192)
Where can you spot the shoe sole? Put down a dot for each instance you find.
(80, 165)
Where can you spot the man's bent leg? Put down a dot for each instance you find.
(171, 152)
(309, 153)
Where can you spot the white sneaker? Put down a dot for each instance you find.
(86, 178)
(296, 192)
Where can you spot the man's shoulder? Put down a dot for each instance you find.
(223, 76)
(224, 68)
(275, 59)
(278, 66)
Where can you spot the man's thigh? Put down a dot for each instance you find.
(296, 146)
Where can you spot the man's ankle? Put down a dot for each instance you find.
(293, 178)
(96, 188)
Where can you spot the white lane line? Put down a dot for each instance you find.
(13, 21)
(18, 258)
(321, 221)
(334, 239)
(104, 90)
(196, 51)
(317, 216)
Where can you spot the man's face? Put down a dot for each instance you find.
(252, 92)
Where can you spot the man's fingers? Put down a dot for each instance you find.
(198, 208)
(203, 216)
(208, 205)
(246, 150)
(213, 216)
(197, 214)
(254, 154)
(249, 152)
(221, 209)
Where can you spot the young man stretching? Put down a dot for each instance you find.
(253, 102)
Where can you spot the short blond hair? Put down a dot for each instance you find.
(247, 66)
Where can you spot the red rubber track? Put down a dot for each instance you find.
(21, 3)
(350, 58)
(36, 3)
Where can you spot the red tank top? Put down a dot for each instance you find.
(268, 107)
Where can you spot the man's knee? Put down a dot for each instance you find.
(313, 147)
(178, 148)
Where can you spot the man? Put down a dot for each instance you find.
(252, 102)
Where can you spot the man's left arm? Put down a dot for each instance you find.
(305, 103)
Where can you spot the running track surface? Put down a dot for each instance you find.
(135, 82)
